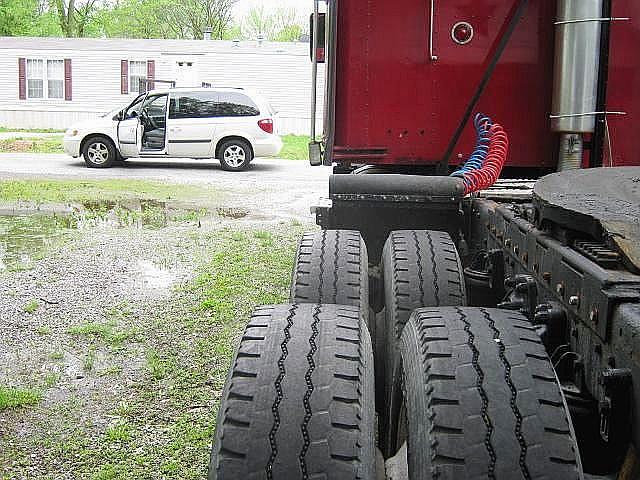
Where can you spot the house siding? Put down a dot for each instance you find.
(279, 72)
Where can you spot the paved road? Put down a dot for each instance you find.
(275, 188)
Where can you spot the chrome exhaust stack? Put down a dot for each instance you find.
(575, 91)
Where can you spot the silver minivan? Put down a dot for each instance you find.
(230, 124)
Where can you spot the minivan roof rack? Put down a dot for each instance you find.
(208, 85)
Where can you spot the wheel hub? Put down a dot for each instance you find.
(98, 153)
(234, 156)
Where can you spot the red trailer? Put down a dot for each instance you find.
(405, 80)
(471, 306)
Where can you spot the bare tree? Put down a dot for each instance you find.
(189, 18)
(73, 15)
(257, 23)
(280, 24)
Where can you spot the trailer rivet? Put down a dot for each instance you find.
(560, 289)
(574, 300)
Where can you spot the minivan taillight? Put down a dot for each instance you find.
(266, 125)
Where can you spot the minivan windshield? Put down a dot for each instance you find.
(126, 106)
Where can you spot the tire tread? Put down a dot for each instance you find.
(307, 409)
(494, 405)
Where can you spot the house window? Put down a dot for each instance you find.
(45, 79)
(55, 78)
(137, 73)
(35, 79)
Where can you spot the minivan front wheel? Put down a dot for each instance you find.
(235, 155)
(99, 152)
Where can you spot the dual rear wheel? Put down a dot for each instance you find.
(460, 391)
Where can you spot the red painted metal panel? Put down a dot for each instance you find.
(391, 96)
(623, 91)
(22, 79)
(68, 85)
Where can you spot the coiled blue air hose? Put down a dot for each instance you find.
(482, 124)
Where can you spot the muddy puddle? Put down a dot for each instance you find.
(27, 233)
(25, 239)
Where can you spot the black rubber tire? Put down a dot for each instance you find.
(299, 399)
(421, 268)
(111, 149)
(332, 266)
(244, 145)
(482, 399)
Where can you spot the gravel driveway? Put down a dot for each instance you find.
(271, 188)
(125, 332)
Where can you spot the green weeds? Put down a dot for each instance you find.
(31, 306)
(12, 397)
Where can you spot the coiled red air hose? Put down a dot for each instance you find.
(488, 174)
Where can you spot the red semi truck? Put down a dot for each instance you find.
(444, 323)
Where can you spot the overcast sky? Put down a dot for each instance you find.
(303, 6)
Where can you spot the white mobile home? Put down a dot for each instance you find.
(53, 82)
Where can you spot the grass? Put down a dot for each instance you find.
(43, 330)
(30, 130)
(32, 145)
(64, 191)
(11, 397)
(107, 332)
(31, 306)
(162, 419)
(89, 359)
(112, 370)
(118, 433)
(57, 355)
(295, 147)
(157, 365)
(51, 379)
(164, 427)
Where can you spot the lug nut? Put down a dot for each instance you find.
(574, 300)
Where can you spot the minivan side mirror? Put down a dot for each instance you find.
(317, 42)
